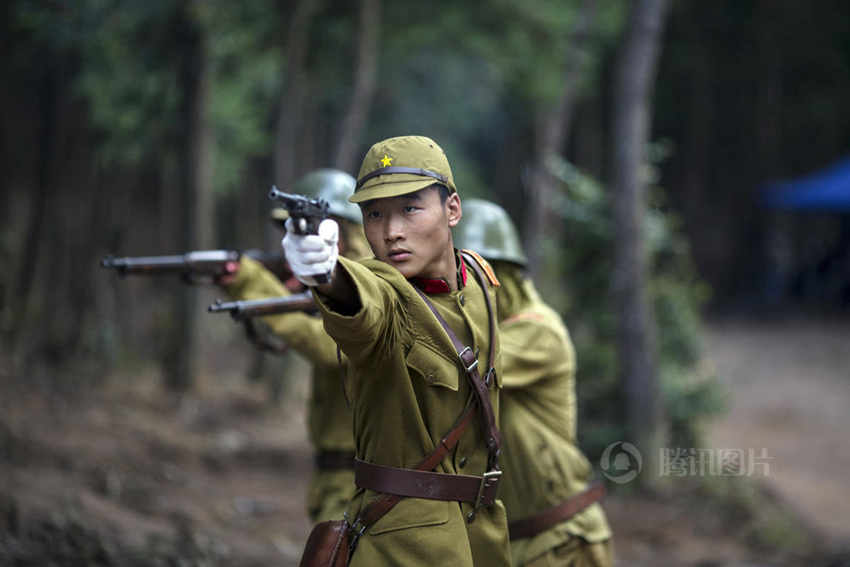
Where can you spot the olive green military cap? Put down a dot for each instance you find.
(402, 165)
(487, 229)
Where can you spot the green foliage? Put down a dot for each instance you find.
(129, 76)
(124, 75)
(468, 77)
(477, 78)
(689, 387)
(129, 73)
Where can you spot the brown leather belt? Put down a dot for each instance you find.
(480, 490)
(533, 525)
(334, 460)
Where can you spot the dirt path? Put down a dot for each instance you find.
(790, 394)
(125, 474)
(131, 476)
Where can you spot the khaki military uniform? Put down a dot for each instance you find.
(542, 465)
(329, 416)
(408, 389)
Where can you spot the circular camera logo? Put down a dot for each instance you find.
(621, 462)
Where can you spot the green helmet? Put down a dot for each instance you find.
(335, 187)
(486, 228)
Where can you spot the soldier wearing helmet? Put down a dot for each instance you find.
(329, 416)
(418, 327)
(551, 514)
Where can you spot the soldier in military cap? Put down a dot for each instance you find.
(329, 416)
(417, 327)
(553, 519)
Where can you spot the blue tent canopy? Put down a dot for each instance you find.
(824, 190)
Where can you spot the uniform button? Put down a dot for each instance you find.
(462, 299)
(462, 462)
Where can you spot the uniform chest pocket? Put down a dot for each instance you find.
(433, 367)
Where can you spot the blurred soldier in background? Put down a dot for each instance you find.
(329, 416)
(553, 518)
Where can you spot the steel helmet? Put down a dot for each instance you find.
(486, 228)
(335, 187)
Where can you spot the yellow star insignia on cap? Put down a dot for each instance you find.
(386, 161)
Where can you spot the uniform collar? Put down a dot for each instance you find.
(440, 285)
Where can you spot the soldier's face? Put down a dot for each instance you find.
(413, 232)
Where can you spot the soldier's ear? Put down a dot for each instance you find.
(453, 209)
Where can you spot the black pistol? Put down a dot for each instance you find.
(306, 214)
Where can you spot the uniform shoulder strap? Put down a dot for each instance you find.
(479, 267)
(483, 264)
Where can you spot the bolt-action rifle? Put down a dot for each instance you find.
(200, 265)
(246, 309)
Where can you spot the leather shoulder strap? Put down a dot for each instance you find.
(472, 258)
(478, 386)
(484, 265)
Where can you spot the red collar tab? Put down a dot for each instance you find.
(462, 271)
(439, 285)
(430, 286)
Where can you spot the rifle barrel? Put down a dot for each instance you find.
(266, 306)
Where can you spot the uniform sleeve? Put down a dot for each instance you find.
(376, 328)
(532, 352)
(301, 331)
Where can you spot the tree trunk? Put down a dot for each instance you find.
(84, 222)
(589, 134)
(291, 100)
(365, 73)
(25, 286)
(768, 110)
(290, 112)
(551, 130)
(292, 96)
(197, 204)
(5, 220)
(634, 76)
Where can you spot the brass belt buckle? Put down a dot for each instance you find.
(485, 483)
